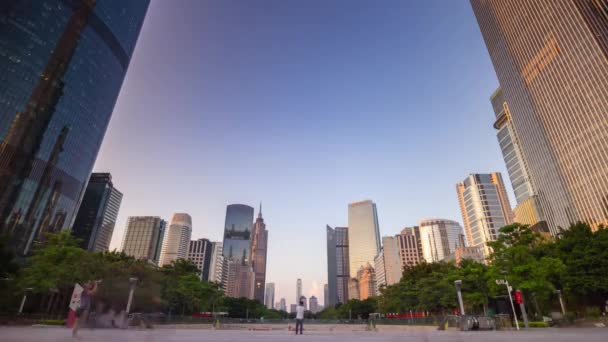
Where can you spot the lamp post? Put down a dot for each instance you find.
(561, 302)
(23, 300)
(133, 282)
(458, 285)
(506, 283)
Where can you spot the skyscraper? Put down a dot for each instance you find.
(338, 266)
(551, 59)
(97, 214)
(216, 271)
(62, 65)
(269, 296)
(259, 244)
(391, 260)
(366, 279)
(410, 247)
(199, 252)
(283, 305)
(143, 237)
(325, 295)
(240, 277)
(485, 208)
(298, 290)
(379, 270)
(177, 239)
(439, 238)
(363, 235)
(313, 304)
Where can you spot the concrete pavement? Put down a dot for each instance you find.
(44, 334)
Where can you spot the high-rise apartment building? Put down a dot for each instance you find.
(97, 214)
(62, 65)
(200, 252)
(363, 235)
(259, 249)
(438, 237)
(177, 239)
(393, 269)
(338, 266)
(313, 304)
(269, 296)
(379, 270)
(216, 270)
(485, 208)
(551, 60)
(298, 290)
(366, 279)
(144, 237)
(410, 247)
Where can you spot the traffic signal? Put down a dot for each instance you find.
(518, 298)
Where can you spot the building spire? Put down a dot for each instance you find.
(260, 212)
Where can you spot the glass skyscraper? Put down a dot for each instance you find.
(338, 266)
(485, 208)
(237, 232)
(438, 238)
(363, 235)
(551, 60)
(62, 63)
(96, 217)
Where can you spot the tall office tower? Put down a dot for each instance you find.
(259, 244)
(304, 300)
(216, 270)
(363, 236)
(366, 279)
(463, 252)
(527, 210)
(325, 294)
(237, 250)
(353, 288)
(144, 237)
(410, 247)
(177, 239)
(96, 217)
(551, 59)
(283, 305)
(62, 65)
(298, 290)
(393, 269)
(338, 266)
(313, 304)
(485, 208)
(379, 270)
(199, 252)
(269, 296)
(292, 308)
(439, 238)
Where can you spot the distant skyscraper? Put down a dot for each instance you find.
(237, 250)
(269, 296)
(353, 288)
(298, 290)
(325, 295)
(177, 239)
(62, 65)
(338, 266)
(143, 237)
(551, 59)
(463, 252)
(313, 304)
(216, 270)
(392, 262)
(96, 217)
(363, 235)
(200, 252)
(283, 305)
(366, 279)
(485, 208)
(439, 238)
(304, 300)
(410, 247)
(292, 308)
(259, 245)
(379, 270)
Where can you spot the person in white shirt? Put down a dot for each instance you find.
(300, 317)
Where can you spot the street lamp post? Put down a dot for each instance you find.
(23, 300)
(561, 302)
(458, 284)
(133, 282)
(506, 283)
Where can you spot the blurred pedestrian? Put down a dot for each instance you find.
(86, 300)
(300, 317)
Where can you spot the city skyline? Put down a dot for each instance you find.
(320, 164)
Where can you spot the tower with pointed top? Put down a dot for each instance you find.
(259, 244)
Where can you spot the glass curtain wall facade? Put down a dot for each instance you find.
(363, 235)
(338, 266)
(485, 208)
(62, 63)
(551, 60)
(97, 215)
(439, 238)
(237, 232)
(392, 263)
(143, 237)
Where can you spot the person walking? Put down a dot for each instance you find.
(300, 317)
(82, 313)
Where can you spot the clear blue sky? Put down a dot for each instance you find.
(306, 106)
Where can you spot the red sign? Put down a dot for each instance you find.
(518, 298)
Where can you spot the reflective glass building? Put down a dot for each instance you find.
(338, 266)
(551, 60)
(237, 232)
(363, 235)
(438, 238)
(62, 63)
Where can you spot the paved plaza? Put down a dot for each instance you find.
(40, 334)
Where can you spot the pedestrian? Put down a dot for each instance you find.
(82, 313)
(300, 317)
